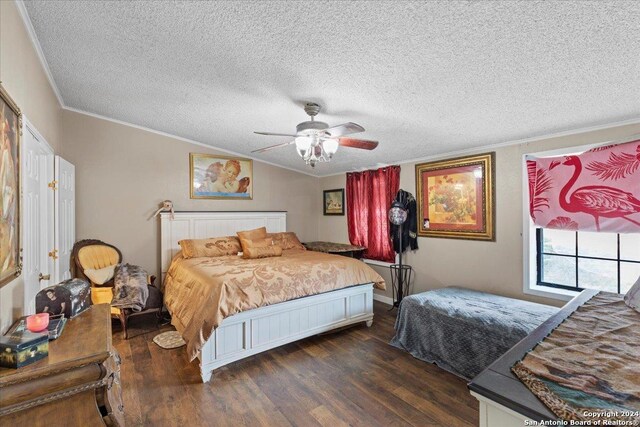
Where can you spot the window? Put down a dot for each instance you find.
(587, 260)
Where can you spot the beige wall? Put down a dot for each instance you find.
(488, 266)
(123, 173)
(23, 77)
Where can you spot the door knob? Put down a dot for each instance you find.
(42, 277)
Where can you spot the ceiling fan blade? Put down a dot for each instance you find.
(276, 134)
(260, 150)
(344, 129)
(364, 144)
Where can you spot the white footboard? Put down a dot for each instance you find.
(260, 329)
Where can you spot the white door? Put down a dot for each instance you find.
(37, 219)
(65, 217)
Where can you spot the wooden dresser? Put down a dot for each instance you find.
(77, 384)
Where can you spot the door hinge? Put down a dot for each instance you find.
(53, 185)
(54, 254)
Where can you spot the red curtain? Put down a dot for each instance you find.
(369, 197)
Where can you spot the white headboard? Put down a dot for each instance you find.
(202, 225)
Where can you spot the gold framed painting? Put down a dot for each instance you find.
(10, 134)
(333, 202)
(220, 177)
(456, 198)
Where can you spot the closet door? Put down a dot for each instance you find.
(65, 217)
(37, 215)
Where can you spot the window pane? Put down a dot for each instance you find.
(559, 241)
(629, 273)
(630, 246)
(602, 245)
(560, 270)
(598, 274)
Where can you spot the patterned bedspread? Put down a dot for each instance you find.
(588, 368)
(464, 331)
(200, 292)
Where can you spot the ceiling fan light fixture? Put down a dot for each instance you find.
(303, 144)
(317, 142)
(330, 146)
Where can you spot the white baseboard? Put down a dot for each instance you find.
(383, 299)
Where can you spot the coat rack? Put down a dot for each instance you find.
(400, 274)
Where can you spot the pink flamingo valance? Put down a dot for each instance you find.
(598, 190)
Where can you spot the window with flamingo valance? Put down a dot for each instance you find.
(598, 190)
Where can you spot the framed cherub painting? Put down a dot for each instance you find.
(10, 133)
(220, 177)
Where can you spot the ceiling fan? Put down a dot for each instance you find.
(317, 142)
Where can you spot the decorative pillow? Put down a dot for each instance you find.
(266, 251)
(632, 298)
(286, 240)
(250, 235)
(214, 247)
(100, 276)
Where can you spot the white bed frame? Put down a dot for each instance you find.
(254, 331)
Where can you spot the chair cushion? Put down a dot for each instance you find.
(101, 295)
(101, 275)
(95, 257)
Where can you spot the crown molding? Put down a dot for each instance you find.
(180, 138)
(465, 151)
(22, 9)
(45, 66)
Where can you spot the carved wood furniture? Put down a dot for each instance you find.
(96, 254)
(260, 329)
(77, 384)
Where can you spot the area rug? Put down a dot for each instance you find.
(587, 368)
(168, 340)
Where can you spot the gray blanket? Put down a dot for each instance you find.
(464, 331)
(130, 287)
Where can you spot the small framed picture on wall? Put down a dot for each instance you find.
(333, 202)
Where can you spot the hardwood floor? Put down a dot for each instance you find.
(352, 377)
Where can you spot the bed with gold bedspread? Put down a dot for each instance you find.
(201, 292)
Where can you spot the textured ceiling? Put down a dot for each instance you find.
(422, 77)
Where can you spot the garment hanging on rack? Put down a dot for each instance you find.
(410, 227)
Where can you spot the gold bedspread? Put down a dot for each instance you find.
(200, 292)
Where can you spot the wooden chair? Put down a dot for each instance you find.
(96, 254)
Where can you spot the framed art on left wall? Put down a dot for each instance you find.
(10, 134)
(220, 177)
